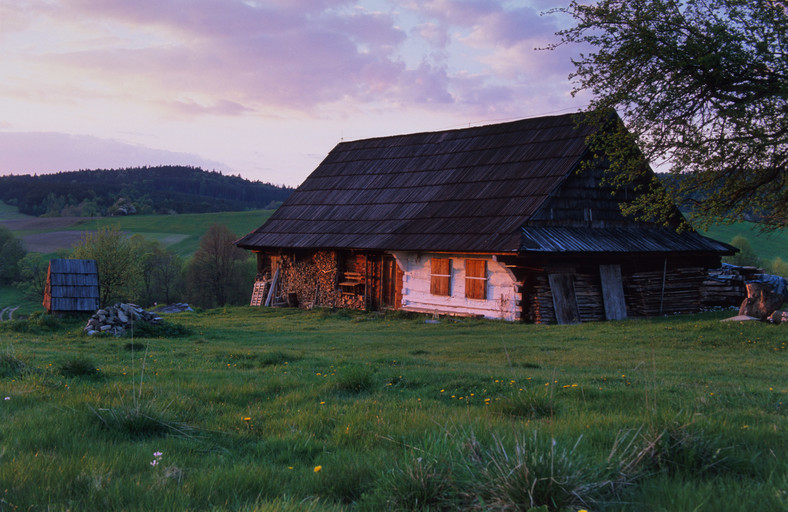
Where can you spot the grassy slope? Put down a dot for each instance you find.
(8, 212)
(767, 245)
(182, 233)
(269, 397)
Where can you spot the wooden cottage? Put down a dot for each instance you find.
(493, 221)
(72, 286)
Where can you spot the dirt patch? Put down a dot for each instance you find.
(42, 223)
(52, 241)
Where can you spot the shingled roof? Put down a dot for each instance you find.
(72, 285)
(466, 190)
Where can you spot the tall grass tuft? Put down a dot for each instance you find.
(139, 421)
(354, 379)
(533, 472)
(679, 449)
(420, 483)
(78, 366)
(10, 365)
(530, 403)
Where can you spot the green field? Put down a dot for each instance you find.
(767, 245)
(181, 233)
(267, 409)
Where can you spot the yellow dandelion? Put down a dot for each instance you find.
(247, 418)
(318, 468)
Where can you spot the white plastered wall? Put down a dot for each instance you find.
(501, 290)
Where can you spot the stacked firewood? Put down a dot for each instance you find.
(541, 309)
(313, 282)
(655, 293)
(726, 286)
(588, 292)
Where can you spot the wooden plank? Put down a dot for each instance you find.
(613, 292)
(274, 282)
(564, 300)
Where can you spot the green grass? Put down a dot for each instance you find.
(767, 245)
(679, 413)
(8, 212)
(12, 297)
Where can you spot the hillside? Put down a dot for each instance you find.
(180, 233)
(148, 190)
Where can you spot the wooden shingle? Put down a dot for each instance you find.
(72, 285)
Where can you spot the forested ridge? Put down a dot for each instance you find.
(161, 189)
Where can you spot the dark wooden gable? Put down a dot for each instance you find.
(460, 190)
(580, 216)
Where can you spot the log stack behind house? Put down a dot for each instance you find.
(496, 221)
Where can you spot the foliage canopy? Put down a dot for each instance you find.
(11, 253)
(118, 260)
(702, 87)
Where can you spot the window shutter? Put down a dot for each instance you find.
(440, 276)
(476, 279)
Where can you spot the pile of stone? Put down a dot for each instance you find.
(118, 319)
(176, 307)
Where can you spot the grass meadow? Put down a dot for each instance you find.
(257, 409)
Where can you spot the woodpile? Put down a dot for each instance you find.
(540, 301)
(588, 291)
(675, 291)
(118, 319)
(726, 286)
(314, 281)
(588, 294)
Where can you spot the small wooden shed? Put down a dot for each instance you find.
(72, 286)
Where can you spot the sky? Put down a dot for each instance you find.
(263, 88)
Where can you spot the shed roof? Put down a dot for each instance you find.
(466, 190)
(72, 285)
(559, 239)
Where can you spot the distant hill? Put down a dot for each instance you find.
(145, 190)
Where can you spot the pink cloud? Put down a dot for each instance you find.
(232, 58)
(27, 153)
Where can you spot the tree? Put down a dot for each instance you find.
(12, 250)
(702, 87)
(216, 270)
(33, 273)
(162, 273)
(746, 255)
(117, 259)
